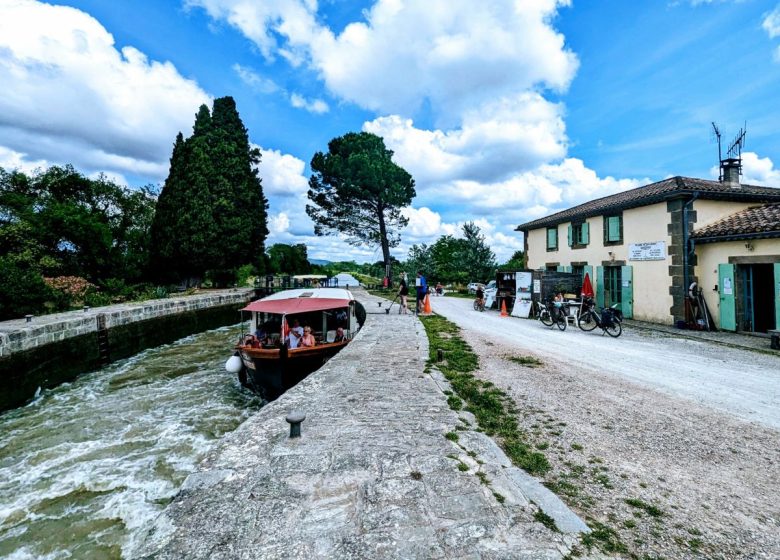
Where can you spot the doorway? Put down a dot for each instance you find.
(613, 292)
(757, 301)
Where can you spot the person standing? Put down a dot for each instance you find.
(403, 293)
(422, 289)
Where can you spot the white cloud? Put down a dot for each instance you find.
(282, 174)
(16, 161)
(254, 80)
(759, 171)
(70, 96)
(317, 106)
(771, 23)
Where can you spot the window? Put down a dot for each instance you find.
(613, 230)
(578, 269)
(579, 234)
(552, 238)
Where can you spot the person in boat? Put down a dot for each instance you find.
(340, 337)
(307, 339)
(261, 335)
(251, 341)
(295, 335)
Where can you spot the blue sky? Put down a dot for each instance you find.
(502, 111)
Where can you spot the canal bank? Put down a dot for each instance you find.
(374, 474)
(51, 349)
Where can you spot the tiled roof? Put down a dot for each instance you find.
(667, 189)
(761, 221)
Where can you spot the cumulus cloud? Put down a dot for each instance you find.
(70, 96)
(282, 174)
(17, 161)
(757, 171)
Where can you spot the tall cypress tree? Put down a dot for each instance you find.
(211, 213)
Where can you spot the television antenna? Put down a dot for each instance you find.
(733, 153)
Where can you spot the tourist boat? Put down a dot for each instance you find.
(271, 366)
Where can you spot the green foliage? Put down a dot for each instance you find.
(357, 190)
(211, 214)
(516, 262)
(454, 260)
(288, 259)
(23, 289)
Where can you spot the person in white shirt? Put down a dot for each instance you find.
(296, 333)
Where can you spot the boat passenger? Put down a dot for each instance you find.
(339, 335)
(308, 338)
(295, 335)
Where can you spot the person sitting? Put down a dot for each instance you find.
(261, 335)
(307, 339)
(295, 335)
(340, 337)
(251, 341)
(439, 289)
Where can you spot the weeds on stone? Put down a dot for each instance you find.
(416, 475)
(463, 467)
(490, 406)
(603, 537)
(545, 519)
(527, 361)
(452, 436)
(454, 402)
(650, 509)
(501, 499)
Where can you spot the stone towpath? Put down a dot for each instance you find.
(371, 477)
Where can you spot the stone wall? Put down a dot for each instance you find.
(53, 349)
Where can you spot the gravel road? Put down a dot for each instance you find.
(743, 383)
(672, 444)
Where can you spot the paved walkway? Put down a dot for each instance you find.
(372, 476)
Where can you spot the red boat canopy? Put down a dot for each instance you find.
(295, 305)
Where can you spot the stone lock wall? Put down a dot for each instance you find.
(53, 349)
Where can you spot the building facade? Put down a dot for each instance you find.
(642, 251)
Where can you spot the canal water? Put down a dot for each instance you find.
(86, 467)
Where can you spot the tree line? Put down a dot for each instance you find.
(68, 240)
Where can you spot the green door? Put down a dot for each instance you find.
(728, 308)
(777, 296)
(627, 292)
(600, 286)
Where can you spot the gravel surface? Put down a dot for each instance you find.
(686, 431)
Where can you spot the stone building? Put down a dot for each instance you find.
(645, 247)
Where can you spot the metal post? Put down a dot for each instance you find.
(294, 419)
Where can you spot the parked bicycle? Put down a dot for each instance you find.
(610, 319)
(552, 313)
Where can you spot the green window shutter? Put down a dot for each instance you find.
(627, 291)
(552, 238)
(571, 236)
(613, 228)
(588, 269)
(585, 234)
(567, 268)
(560, 268)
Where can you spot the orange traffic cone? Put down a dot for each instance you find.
(503, 308)
(427, 307)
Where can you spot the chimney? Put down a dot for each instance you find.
(731, 169)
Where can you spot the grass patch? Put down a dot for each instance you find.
(452, 436)
(491, 407)
(454, 402)
(576, 447)
(463, 467)
(527, 361)
(416, 475)
(650, 509)
(546, 520)
(603, 537)
(500, 498)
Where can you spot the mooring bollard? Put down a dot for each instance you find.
(86, 308)
(294, 419)
(29, 318)
(439, 355)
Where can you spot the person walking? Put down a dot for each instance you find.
(403, 293)
(422, 290)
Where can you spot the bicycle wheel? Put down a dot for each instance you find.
(561, 321)
(482, 306)
(614, 329)
(545, 318)
(586, 321)
(476, 305)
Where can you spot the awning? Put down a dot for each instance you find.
(295, 305)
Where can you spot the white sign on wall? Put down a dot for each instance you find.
(654, 251)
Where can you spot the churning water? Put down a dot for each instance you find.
(86, 467)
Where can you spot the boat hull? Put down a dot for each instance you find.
(273, 371)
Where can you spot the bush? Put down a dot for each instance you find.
(73, 288)
(24, 291)
(245, 275)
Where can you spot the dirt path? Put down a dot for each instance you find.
(647, 434)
